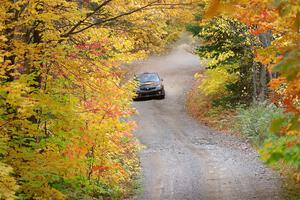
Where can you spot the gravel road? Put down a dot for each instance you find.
(184, 160)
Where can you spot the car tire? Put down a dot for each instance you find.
(163, 95)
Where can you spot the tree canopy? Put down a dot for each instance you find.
(65, 105)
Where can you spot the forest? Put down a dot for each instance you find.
(66, 127)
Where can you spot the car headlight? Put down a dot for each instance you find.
(158, 87)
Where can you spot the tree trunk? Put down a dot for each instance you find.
(265, 39)
(263, 84)
(254, 81)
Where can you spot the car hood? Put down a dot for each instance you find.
(149, 84)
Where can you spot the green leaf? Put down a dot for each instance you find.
(290, 65)
(295, 123)
(276, 124)
(276, 156)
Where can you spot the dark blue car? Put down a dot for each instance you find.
(150, 85)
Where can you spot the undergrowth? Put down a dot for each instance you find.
(252, 122)
(199, 106)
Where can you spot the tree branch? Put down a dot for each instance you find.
(87, 16)
(157, 3)
(116, 17)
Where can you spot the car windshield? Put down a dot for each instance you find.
(144, 78)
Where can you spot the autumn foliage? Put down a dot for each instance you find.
(275, 24)
(65, 105)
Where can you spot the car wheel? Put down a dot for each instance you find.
(163, 95)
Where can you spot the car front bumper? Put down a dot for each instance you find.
(153, 93)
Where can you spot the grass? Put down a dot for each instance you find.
(291, 186)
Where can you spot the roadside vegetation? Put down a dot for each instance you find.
(250, 86)
(65, 106)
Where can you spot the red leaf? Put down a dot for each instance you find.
(100, 168)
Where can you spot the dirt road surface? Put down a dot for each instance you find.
(185, 160)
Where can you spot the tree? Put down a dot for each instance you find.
(64, 103)
(226, 44)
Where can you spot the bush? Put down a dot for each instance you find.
(214, 84)
(254, 121)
